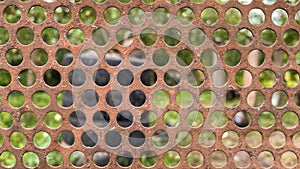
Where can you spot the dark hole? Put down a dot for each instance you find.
(52, 77)
(148, 119)
(77, 77)
(137, 57)
(125, 77)
(77, 119)
(101, 119)
(113, 57)
(101, 159)
(124, 158)
(172, 77)
(101, 77)
(113, 139)
(64, 57)
(89, 57)
(136, 138)
(242, 119)
(66, 138)
(114, 98)
(90, 98)
(124, 119)
(67, 98)
(137, 98)
(89, 138)
(148, 77)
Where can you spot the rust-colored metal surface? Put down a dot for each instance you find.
(237, 139)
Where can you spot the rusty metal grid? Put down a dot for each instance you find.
(101, 146)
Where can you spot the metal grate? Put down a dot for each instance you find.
(152, 83)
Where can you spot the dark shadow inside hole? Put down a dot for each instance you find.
(101, 119)
(77, 77)
(101, 77)
(137, 57)
(242, 119)
(124, 118)
(67, 98)
(232, 98)
(172, 77)
(148, 119)
(148, 77)
(66, 138)
(64, 57)
(89, 57)
(137, 98)
(113, 138)
(124, 158)
(89, 138)
(77, 118)
(52, 77)
(113, 57)
(125, 77)
(90, 98)
(101, 159)
(114, 98)
(136, 138)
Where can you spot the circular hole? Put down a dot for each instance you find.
(266, 120)
(172, 77)
(221, 2)
(290, 120)
(41, 140)
(5, 77)
(196, 37)
(160, 138)
(230, 139)
(54, 158)
(254, 139)
(12, 14)
(297, 99)
(218, 159)
(255, 99)
(66, 138)
(41, 99)
(172, 37)
(52, 77)
(161, 57)
(161, 98)
(101, 119)
(124, 158)
(6, 120)
(148, 1)
(184, 98)
(62, 15)
(124, 119)
(136, 16)
(5, 36)
(136, 138)
(267, 78)
(125, 77)
(256, 17)
(101, 159)
(65, 98)
(101, 77)
(198, 1)
(219, 78)
(208, 98)
(291, 37)
(233, 16)
(30, 160)
(218, 119)
(242, 159)
(75, 36)
(184, 57)
(280, 57)
(137, 57)
(232, 98)
(292, 2)
(277, 139)
(244, 37)
(269, 2)
(232, 57)
(279, 99)
(112, 15)
(28, 120)
(100, 36)
(209, 16)
(171, 159)
(297, 17)
(24, 35)
(245, 2)
(208, 57)
(196, 77)
(113, 139)
(37, 14)
(242, 119)
(291, 78)
(16, 99)
(13, 56)
(39, 57)
(171, 118)
(243, 78)
(160, 16)
(124, 37)
(114, 98)
(148, 37)
(195, 159)
(256, 58)
(279, 17)
(148, 77)
(265, 159)
(78, 159)
(87, 15)
(221, 37)
(296, 140)
(64, 57)
(137, 98)
(148, 158)
(53, 120)
(89, 57)
(267, 37)
(195, 119)
(185, 16)
(207, 138)
(77, 77)
(99, 1)
(89, 138)
(289, 159)
(8, 159)
(113, 57)
(90, 98)
(17, 140)
(173, 1)
(183, 138)
(148, 119)
(77, 119)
